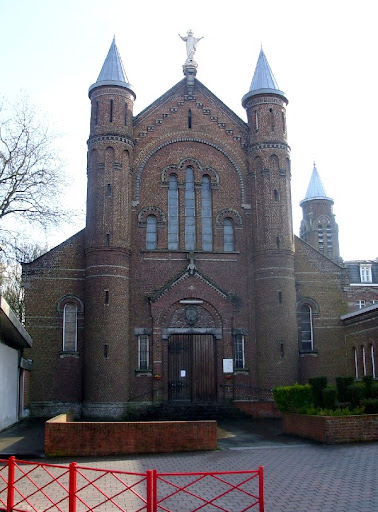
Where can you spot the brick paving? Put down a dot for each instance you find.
(299, 476)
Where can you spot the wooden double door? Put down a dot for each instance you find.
(192, 368)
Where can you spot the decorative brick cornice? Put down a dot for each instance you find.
(110, 137)
(269, 145)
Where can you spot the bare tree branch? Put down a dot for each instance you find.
(31, 174)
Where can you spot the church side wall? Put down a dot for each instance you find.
(51, 281)
(320, 283)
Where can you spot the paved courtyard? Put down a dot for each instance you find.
(299, 476)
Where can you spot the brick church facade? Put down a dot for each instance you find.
(187, 283)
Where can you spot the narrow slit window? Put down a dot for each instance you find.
(256, 120)
(228, 235)
(275, 195)
(151, 232)
(125, 115)
(239, 353)
(283, 122)
(190, 220)
(189, 119)
(96, 113)
(272, 118)
(108, 190)
(372, 360)
(143, 352)
(70, 328)
(280, 297)
(106, 296)
(107, 242)
(355, 358)
(207, 235)
(106, 350)
(111, 111)
(173, 227)
(307, 342)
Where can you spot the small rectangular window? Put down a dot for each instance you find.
(365, 273)
(239, 355)
(143, 352)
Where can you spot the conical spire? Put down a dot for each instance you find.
(263, 81)
(315, 189)
(112, 71)
(263, 77)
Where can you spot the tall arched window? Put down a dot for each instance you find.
(151, 232)
(228, 235)
(363, 359)
(329, 238)
(355, 358)
(207, 234)
(70, 327)
(190, 221)
(372, 361)
(320, 238)
(173, 213)
(307, 342)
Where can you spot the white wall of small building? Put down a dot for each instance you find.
(8, 385)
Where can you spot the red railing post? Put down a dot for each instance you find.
(149, 490)
(72, 487)
(261, 488)
(10, 497)
(154, 487)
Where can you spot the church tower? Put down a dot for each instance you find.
(272, 250)
(107, 245)
(318, 226)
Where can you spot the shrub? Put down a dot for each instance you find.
(371, 405)
(369, 383)
(329, 397)
(356, 393)
(292, 398)
(317, 385)
(317, 411)
(342, 384)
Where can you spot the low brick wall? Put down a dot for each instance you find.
(64, 437)
(332, 429)
(259, 409)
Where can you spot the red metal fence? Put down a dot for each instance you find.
(33, 487)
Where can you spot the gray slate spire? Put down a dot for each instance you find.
(112, 71)
(315, 189)
(263, 81)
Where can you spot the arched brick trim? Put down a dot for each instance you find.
(310, 302)
(151, 210)
(199, 172)
(70, 299)
(234, 215)
(176, 305)
(187, 139)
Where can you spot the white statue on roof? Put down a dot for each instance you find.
(191, 45)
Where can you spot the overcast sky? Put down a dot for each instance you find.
(323, 55)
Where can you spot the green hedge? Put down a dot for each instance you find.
(318, 384)
(293, 398)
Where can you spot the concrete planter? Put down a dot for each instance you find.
(332, 429)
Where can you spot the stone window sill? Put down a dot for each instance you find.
(68, 353)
